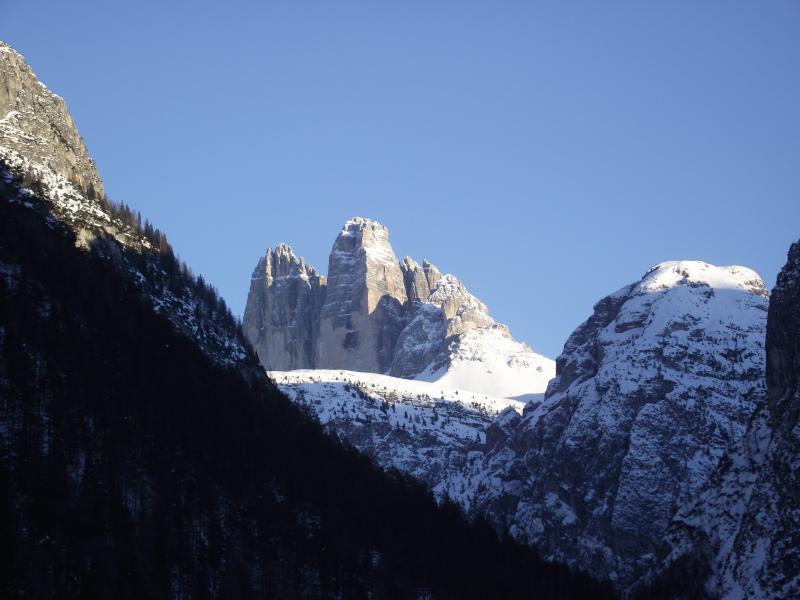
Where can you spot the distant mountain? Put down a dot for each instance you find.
(650, 392)
(144, 454)
(740, 537)
(376, 314)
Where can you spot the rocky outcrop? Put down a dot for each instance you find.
(741, 537)
(420, 281)
(35, 123)
(383, 316)
(448, 311)
(650, 391)
(45, 167)
(283, 310)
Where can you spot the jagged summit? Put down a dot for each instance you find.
(361, 223)
(287, 339)
(367, 235)
(375, 313)
(282, 248)
(281, 261)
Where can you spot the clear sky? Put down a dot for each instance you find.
(545, 153)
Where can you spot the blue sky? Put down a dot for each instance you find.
(545, 153)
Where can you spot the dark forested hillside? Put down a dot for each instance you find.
(133, 466)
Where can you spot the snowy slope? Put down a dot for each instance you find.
(744, 528)
(425, 429)
(490, 361)
(650, 392)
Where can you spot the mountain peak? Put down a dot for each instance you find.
(356, 225)
(35, 124)
(370, 238)
(281, 261)
(669, 274)
(281, 248)
(361, 227)
(375, 313)
(667, 371)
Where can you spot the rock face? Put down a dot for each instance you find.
(283, 310)
(741, 537)
(420, 281)
(363, 313)
(44, 166)
(35, 123)
(449, 310)
(376, 314)
(649, 393)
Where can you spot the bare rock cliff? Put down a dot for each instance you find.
(380, 315)
(35, 123)
(283, 309)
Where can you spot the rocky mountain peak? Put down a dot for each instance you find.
(35, 124)
(359, 235)
(363, 247)
(282, 262)
(381, 315)
(357, 225)
(420, 281)
(45, 167)
(363, 311)
(281, 319)
(462, 310)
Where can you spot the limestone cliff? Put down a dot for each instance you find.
(363, 313)
(35, 123)
(376, 314)
(283, 310)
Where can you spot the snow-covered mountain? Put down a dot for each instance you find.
(741, 536)
(44, 165)
(650, 392)
(376, 314)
